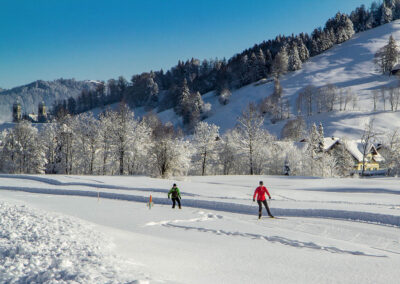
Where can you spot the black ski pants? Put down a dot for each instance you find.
(260, 203)
(176, 199)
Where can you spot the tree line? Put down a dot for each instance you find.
(117, 143)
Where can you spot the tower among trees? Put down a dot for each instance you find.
(17, 113)
(42, 112)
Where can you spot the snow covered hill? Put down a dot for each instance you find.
(98, 229)
(30, 95)
(348, 65)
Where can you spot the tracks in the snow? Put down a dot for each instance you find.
(380, 219)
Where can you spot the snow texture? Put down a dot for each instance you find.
(37, 247)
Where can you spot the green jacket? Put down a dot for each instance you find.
(175, 193)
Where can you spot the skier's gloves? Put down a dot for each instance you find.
(254, 200)
(270, 197)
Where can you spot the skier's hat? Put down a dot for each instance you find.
(174, 184)
(261, 182)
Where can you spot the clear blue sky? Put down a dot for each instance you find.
(98, 39)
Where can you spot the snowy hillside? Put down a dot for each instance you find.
(30, 95)
(93, 229)
(348, 65)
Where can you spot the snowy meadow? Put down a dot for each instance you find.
(98, 229)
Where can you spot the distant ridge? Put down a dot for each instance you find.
(30, 95)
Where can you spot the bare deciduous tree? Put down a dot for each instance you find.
(367, 138)
(375, 97)
(250, 128)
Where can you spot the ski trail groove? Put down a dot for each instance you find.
(97, 186)
(379, 219)
(272, 239)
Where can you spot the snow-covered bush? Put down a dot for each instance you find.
(224, 97)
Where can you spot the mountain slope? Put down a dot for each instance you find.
(32, 94)
(348, 65)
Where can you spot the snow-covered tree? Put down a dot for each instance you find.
(249, 133)
(387, 57)
(304, 53)
(375, 97)
(280, 63)
(224, 96)
(183, 102)
(294, 130)
(368, 136)
(261, 64)
(294, 61)
(22, 152)
(321, 137)
(305, 100)
(394, 98)
(205, 140)
(314, 153)
(387, 15)
(48, 138)
(391, 152)
(227, 153)
(106, 145)
(342, 159)
(139, 148)
(170, 153)
(328, 96)
(86, 143)
(121, 133)
(58, 140)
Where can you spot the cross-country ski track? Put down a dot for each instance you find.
(193, 201)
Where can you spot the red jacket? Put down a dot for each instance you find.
(261, 191)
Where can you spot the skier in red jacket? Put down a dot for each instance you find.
(260, 192)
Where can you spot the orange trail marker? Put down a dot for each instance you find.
(150, 203)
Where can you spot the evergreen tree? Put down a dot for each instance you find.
(261, 62)
(294, 62)
(253, 67)
(304, 54)
(122, 85)
(280, 63)
(387, 15)
(387, 57)
(343, 161)
(359, 17)
(183, 101)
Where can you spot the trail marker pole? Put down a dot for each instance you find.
(150, 203)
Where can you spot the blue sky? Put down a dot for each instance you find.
(85, 39)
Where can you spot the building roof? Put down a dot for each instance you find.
(329, 142)
(396, 67)
(354, 147)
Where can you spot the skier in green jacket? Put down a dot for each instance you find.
(176, 196)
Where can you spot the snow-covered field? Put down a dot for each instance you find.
(61, 229)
